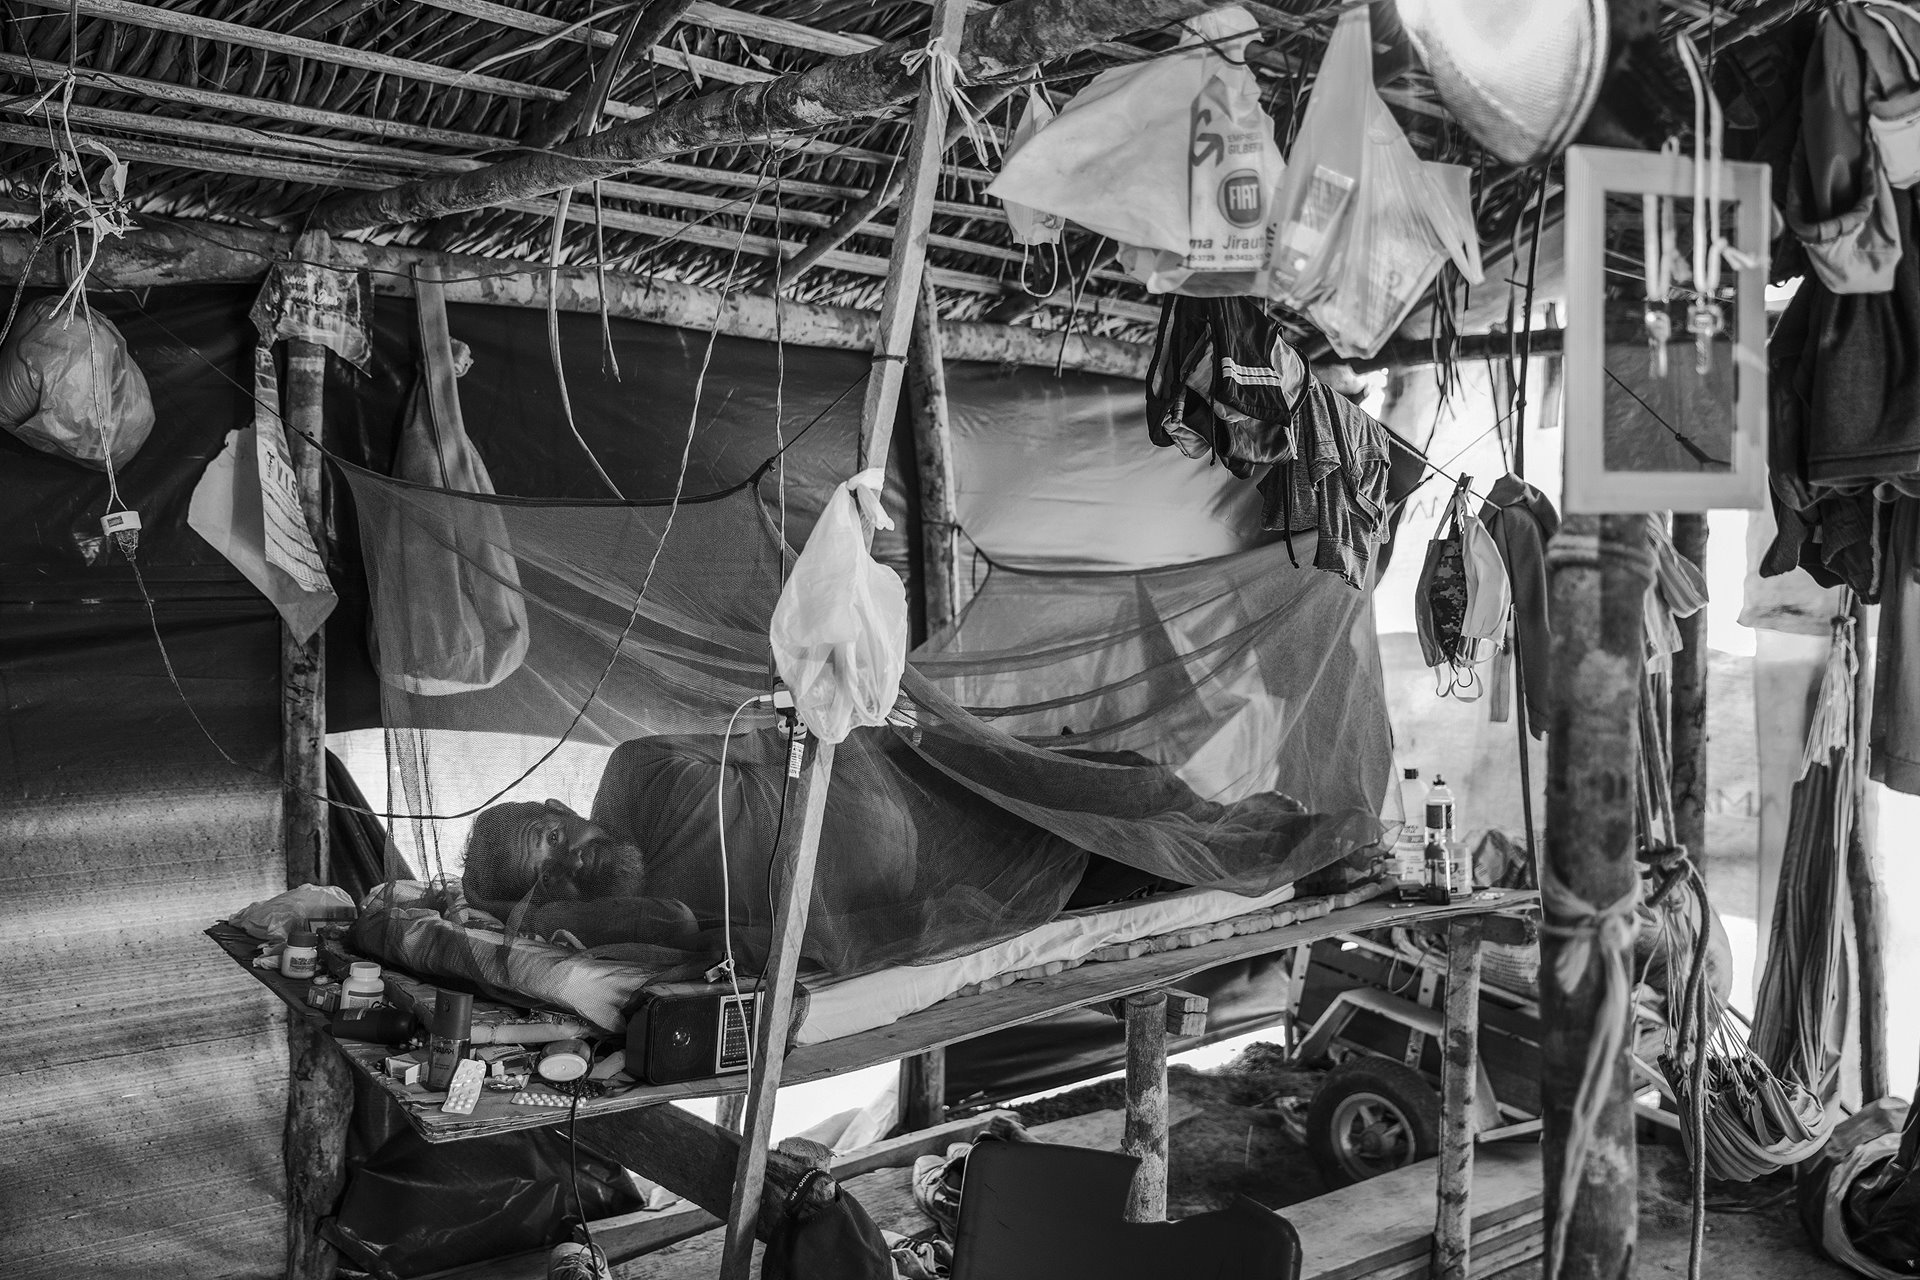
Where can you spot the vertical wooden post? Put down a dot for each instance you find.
(1863, 878)
(1459, 1073)
(907, 265)
(1600, 572)
(923, 1090)
(1145, 1134)
(933, 458)
(1688, 723)
(731, 1113)
(319, 1086)
(810, 770)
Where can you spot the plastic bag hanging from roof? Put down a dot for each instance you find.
(943, 832)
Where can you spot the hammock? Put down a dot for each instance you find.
(1800, 1015)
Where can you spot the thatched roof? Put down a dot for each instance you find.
(252, 111)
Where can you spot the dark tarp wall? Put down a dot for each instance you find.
(142, 1077)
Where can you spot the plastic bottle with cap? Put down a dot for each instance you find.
(300, 958)
(1409, 847)
(364, 988)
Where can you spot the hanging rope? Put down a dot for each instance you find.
(1587, 932)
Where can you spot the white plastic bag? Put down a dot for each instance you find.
(69, 387)
(1311, 208)
(1233, 167)
(1117, 159)
(272, 919)
(1361, 224)
(840, 628)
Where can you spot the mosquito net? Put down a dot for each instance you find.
(583, 764)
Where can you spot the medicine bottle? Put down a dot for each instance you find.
(301, 956)
(363, 988)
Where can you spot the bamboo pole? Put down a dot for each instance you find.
(1600, 572)
(1145, 1132)
(996, 43)
(1863, 877)
(1688, 717)
(319, 1085)
(1459, 1074)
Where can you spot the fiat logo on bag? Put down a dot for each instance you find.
(1240, 197)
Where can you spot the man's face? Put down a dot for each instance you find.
(573, 858)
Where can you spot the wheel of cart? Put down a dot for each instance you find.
(1371, 1116)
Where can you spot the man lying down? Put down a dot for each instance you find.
(913, 865)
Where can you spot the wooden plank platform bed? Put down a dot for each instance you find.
(696, 1159)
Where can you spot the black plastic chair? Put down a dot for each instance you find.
(1040, 1211)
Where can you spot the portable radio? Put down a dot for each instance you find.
(696, 1030)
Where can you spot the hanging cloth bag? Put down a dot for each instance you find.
(840, 627)
(69, 387)
(459, 621)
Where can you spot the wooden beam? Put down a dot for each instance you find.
(242, 105)
(649, 23)
(996, 44)
(933, 464)
(399, 162)
(1459, 1076)
(810, 772)
(335, 175)
(1687, 719)
(1145, 1137)
(204, 253)
(180, 23)
(319, 1083)
(1600, 570)
(693, 1158)
(1864, 882)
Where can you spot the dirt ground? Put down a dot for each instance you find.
(1238, 1144)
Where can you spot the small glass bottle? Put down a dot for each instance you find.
(300, 958)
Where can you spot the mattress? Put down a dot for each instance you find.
(407, 925)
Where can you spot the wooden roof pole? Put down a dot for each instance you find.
(997, 43)
(813, 762)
